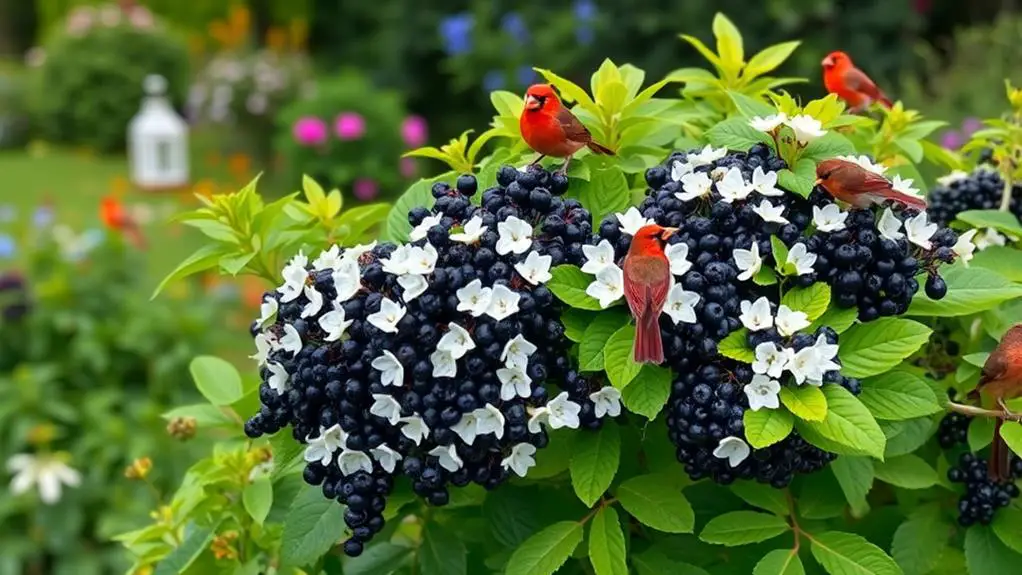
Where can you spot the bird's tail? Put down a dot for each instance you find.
(999, 465)
(600, 149)
(649, 347)
(905, 199)
(885, 101)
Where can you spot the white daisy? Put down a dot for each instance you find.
(768, 123)
(328, 259)
(315, 302)
(489, 420)
(391, 370)
(385, 406)
(333, 323)
(414, 428)
(520, 459)
(279, 377)
(421, 260)
(292, 341)
(631, 221)
(267, 310)
(514, 383)
(806, 128)
(919, 231)
(890, 226)
(516, 352)
(397, 262)
(563, 412)
(679, 170)
(457, 341)
(444, 364)
(694, 185)
(771, 360)
(964, 248)
(412, 285)
(420, 231)
(765, 182)
(351, 462)
(733, 186)
(386, 457)
(801, 258)
(447, 457)
(347, 280)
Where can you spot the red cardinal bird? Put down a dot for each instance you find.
(1001, 379)
(551, 129)
(647, 280)
(114, 217)
(851, 84)
(855, 185)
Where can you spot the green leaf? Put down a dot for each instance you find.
(873, 348)
(570, 91)
(204, 258)
(729, 44)
(780, 562)
(418, 194)
(749, 106)
(737, 134)
(569, 285)
(766, 427)
(258, 498)
(821, 498)
(849, 423)
(767, 60)
(648, 392)
(576, 321)
(1007, 525)
(205, 415)
(1003, 260)
(182, 557)
(1004, 222)
(762, 496)
(736, 346)
(742, 528)
(312, 526)
(985, 554)
(590, 350)
(801, 180)
(805, 402)
(848, 554)
(656, 501)
(912, 148)
(898, 395)
(981, 433)
(780, 253)
(1011, 432)
(217, 380)
(619, 358)
(606, 192)
(906, 436)
(908, 471)
(830, 145)
(855, 476)
(607, 550)
(546, 551)
(653, 561)
(442, 552)
(969, 290)
(920, 539)
(513, 514)
(381, 558)
(765, 277)
(812, 300)
(594, 462)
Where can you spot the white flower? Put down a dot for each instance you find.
(516, 352)
(421, 261)
(733, 186)
(756, 315)
(830, 218)
(414, 428)
(447, 457)
(444, 364)
(351, 461)
(989, 237)
(515, 236)
(474, 298)
(707, 155)
(397, 263)
(597, 257)
(521, 459)
(732, 448)
(679, 170)
(890, 226)
(489, 420)
(420, 231)
(386, 457)
(279, 377)
(391, 370)
(694, 185)
(322, 447)
(385, 406)
(347, 280)
(748, 261)
(328, 259)
(608, 287)
(334, 323)
(789, 322)
(387, 318)
(770, 213)
(295, 276)
(765, 182)
(964, 248)
(470, 234)
(457, 341)
(49, 474)
(563, 412)
(677, 255)
(265, 343)
(920, 231)
(631, 221)
(413, 286)
(865, 162)
(535, 269)
(805, 366)
(537, 416)
(606, 401)
(681, 305)
(826, 352)
(467, 427)
(514, 382)
(806, 128)
(953, 177)
(762, 392)
(267, 310)
(905, 186)
(291, 342)
(801, 258)
(771, 360)
(504, 303)
(769, 123)
(352, 254)
(315, 302)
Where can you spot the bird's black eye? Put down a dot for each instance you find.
(824, 175)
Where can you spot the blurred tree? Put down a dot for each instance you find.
(18, 22)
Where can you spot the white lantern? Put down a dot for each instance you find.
(158, 141)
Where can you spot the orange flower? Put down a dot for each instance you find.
(276, 39)
(240, 165)
(252, 290)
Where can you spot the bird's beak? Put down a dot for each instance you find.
(531, 102)
(666, 233)
(827, 62)
(817, 182)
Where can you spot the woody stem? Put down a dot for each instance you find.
(980, 412)
(1006, 194)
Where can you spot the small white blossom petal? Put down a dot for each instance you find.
(489, 420)
(608, 287)
(563, 412)
(386, 457)
(334, 324)
(421, 260)
(964, 248)
(537, 417)
(515, 236)
(457, 341)
(771, 213)
(706, 156)
(597, 257)
(789, 322)
(48, 473)
(733, 186)
(353, 253)
(905, 186)
(919, 230)
(677, 255)
(315, 302)
(467, 428)
(681, 305)
(351, 461)
(535, 269)
(265, 343)
(732, 448)
(694, 185)
(748, 261)
(291, 342)
(803, 259)
(347, 280)
(397, 262)
(679, 170)
(444, 364)
(631, 221)
(295, 276)
(865, 162)
(391, 370)
(470, 234)
(328, 259)
(989, 237)
(890, 225)
(954, 176)
(279, 377)
(829, 218)
(322, 447)
(762, 392)
(267, 310)
(385, 406)
(756, 315)
(447, 457)
(474, 298)
(387, 318)
(413, 286)
(514, 383)
(765, 182)
(606, 401)
(504, 303)
(521, 459)
(516, 352)
(414, 428)
(771, 360)
(804, 366)
(419, 232)
(769, 123)
(806, 128)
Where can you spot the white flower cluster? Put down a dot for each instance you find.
(918, 229)
(806, 127)
(731, 184)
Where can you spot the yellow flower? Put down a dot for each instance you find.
(222, 546)
(139, 468)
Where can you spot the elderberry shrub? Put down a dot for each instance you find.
(980, 190)
(427, 359)
(983, 496)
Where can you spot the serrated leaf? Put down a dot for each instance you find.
(1007, 525)
(312, 526)
(780, 253)
(1011, 432)
(873, 348)
(762, 496)
(1003, 260)
(849, 423)
(736, 346)
(986, 554)
(619, 359)
(398, 228)
(766, 427)
(1004, 222)
(831, 145)
(906, 436)
(569, 285)
(257, 498)
(546, 551)
(381, 558)
(821, 498)
(920, 539)
(736, 134)
(513, 514)
(203, 258)
(805, 402)
(605, 193)
(801, 180)
(594, 462)
(813, 300)
(907, 471)
(653, 561)
(765, 277)
(655, 500)
(837, 318)
(607, 544)
(779, 562)
(742, 528)
(575, 323)
(855, 476)
(980, 433)
(217, 379)
(969, 290)
(590, 350)
(441, 551)
(848, 554)
(648, 393)
(898, 395)
(185, 554)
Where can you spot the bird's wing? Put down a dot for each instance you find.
(574, 130)
(857, 80)
(649, 281)
(995, 368)
(873, 182)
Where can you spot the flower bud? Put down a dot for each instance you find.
(182, 428)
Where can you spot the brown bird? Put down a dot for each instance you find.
(855, 185)
(1001, 379)
(551, 129)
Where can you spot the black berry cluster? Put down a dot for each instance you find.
(953, 430)
(14, 300)
(983, 496)
(980, 190)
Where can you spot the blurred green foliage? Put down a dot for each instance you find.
(14, 117)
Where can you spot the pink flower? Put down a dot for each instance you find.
(349, 126)
(971, 125)
(414, 131)
(141, 18)
(365, 189)
(110, 15)
(310, 131)
(408, 168)
(951, 140)
(80, 20)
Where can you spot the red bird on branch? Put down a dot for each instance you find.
(1001, 379)
(114, 217)
(551, 129)
(851, 84)
(855, 185)
(647, 274)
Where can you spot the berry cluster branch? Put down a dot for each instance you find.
(973, 411)
(1006, 193)
(599, 506)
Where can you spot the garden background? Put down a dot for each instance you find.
(91, 368)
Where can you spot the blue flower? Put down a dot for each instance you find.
(42, 217)
(7, 213)
(526, 75)
(493, 80)
(7, 247)
(585, 35)
(585, 10)
(456, 31)
(514, 26)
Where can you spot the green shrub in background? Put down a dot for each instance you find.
(90, 84)
(14, 117)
